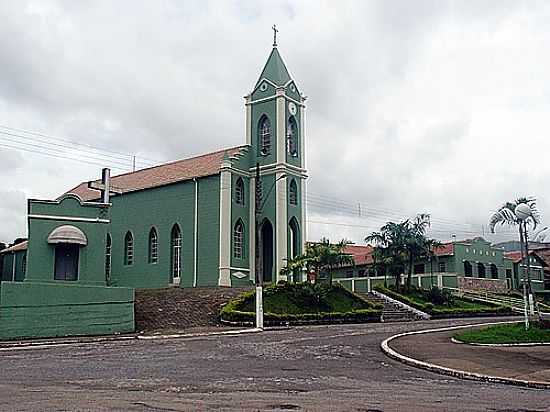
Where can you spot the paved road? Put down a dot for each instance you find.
(337, 368)
(530, 363)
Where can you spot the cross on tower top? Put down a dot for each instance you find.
(274, 28)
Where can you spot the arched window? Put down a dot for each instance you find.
(239, 191)
(494, 271)
(264, 136)
(467, 269)
(129, 249)
(238, 240)
(292, 137)
(108, 254)
(153, 246)
(294, 238)
(293, 193)
(176, 252)
(480, 270)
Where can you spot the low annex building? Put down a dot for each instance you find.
(467, 264)
(186, 223)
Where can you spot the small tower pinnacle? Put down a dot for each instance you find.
(274, 28)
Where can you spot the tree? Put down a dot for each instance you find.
(321, 256)
(400, 244)
(389, 248)
(506, 215)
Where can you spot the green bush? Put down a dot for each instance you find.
(447, 309)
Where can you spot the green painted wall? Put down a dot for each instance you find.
(208, 232)
(41, 254)
(240, 212)
(34, 310)
(138, 212)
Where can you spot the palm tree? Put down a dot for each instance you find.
(416, 242)
(322, 256)
(389, 247)
(506, 215)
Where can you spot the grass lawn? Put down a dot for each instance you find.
(297, 299)
(509, 333)
(419, 300)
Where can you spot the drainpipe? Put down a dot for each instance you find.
(13, 266)
(195, 234)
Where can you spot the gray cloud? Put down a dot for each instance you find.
(413, 106)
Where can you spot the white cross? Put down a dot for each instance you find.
(104, 186)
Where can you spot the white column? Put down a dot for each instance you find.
(303, 190)
(302, 147)
(248, 120)
(281, 224)
(252, 229)
(225, 227)
(281, 126)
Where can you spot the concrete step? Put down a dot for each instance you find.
(392, 312)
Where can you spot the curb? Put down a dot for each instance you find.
(8, 347)
(455, 372)
(500, 345)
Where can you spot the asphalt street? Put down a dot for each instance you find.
(324, 368)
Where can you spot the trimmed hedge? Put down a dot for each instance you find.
(231, 313)
(438, 312)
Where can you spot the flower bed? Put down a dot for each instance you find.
(302, 303)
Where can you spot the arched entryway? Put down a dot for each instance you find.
(467, 269)
(266, 248)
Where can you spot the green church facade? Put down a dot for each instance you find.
(188, 223)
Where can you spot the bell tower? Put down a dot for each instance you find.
(275, 114)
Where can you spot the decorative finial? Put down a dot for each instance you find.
(274, 28)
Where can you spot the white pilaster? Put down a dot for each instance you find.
(281, 225)
(302, 147)
(303, 231)
(252, 230)
(248, 120)
(225, 227)
(281, 126)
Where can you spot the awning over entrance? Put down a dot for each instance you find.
(68, 234)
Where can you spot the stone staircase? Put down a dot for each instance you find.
(392, 312)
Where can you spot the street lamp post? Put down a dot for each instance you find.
(523, 212)
(259, 205)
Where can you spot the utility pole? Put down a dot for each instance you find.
(259, 206)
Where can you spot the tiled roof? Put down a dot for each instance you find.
(16, 248)
(180, 170)
(362, 255)
(513, 256)
(446, 249)
(543, 254)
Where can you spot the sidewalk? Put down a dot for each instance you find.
(160, 334)
(530, 363)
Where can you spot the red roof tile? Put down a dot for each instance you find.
(362, 255)
(445, 249)
(180, 170)
(514, 256)
(16, 248)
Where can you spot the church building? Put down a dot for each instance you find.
(186, 223)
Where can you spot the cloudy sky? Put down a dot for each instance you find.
(439, 106)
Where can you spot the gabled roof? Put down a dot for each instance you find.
(515, 256)
(275, 69)
(362, 255)
(16, 248)
(180, 170)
